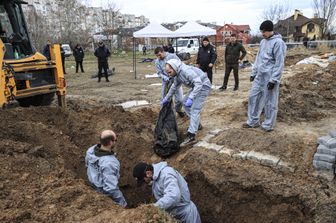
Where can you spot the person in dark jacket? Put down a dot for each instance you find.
(170, 48)
(144, 50)
(305, 41)
(78, 53)
(46, 50)
(206, 57)
(165, 48)
(102, 53)
(234, 53)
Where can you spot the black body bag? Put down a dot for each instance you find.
(166, 140)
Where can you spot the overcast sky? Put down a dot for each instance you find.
(220, 11)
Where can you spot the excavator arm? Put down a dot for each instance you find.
(7, 81)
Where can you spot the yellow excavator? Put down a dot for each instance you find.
(26, 75)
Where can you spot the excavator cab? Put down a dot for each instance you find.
(25, 74)
(13, 31)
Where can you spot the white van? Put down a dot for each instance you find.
(67, 50)
(186, 45)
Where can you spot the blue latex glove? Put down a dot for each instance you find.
(164, 101)
(188, 102)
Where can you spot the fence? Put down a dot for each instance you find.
(310, 44)
(327, 43)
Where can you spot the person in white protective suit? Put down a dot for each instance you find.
(160, 62)
(169, 189)
(266, 75)
(200, 86)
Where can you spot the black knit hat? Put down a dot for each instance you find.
(205, 39)
(266, 26)
(139, 172)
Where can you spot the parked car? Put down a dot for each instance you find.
(67, 50)
(186, 45)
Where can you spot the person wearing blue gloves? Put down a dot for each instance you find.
(169, 189)
(103, 167)
(266, 75)
(200, 85)
(160, 62)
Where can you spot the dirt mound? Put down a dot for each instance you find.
(309, 95)
(144, 213)
(42, 151)
(293, 149)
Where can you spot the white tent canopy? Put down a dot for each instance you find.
(153, 30)
(189, 29)
(193, 29)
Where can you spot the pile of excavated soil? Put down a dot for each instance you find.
(308, 95)
(294, 149)
(43, 175)
(297, 54)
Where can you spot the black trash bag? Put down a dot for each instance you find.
(166, 141)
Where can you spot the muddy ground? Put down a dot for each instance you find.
(42, 151)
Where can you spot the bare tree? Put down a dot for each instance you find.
(106, 19)
(110, 11)
(68, 22)
(37, 28)
(276, 12)
(325, 9)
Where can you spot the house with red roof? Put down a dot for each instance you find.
(242, 32)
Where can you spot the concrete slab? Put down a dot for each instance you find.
(286, 167)
(210, 146)
(151, 75)
(322, 165)
(226, 151)
(321, 149)
(324, 157)
(130, 104)
(331, 144)
(208, 137)
(333, 133)
(324, 140)
(269, 160)
(215, 132)
(255, 156)
(241, 155)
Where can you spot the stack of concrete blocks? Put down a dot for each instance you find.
(325, 156)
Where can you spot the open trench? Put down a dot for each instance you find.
(232, 202)
(223, 200)
(53, 146)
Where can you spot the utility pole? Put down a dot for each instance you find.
(287, 30)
